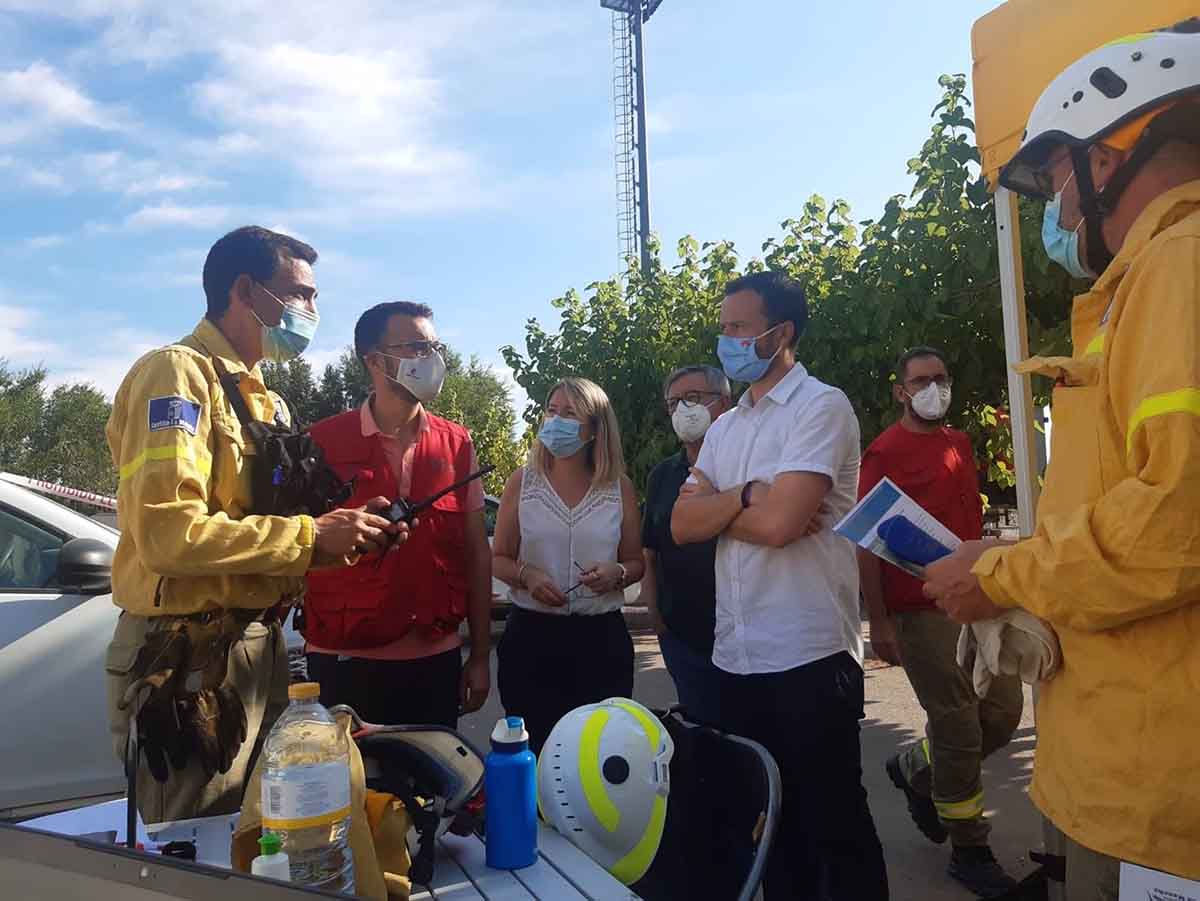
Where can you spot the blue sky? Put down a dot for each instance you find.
(457, 152)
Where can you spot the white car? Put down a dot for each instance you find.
(56, 619)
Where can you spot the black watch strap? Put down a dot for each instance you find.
(746, 494)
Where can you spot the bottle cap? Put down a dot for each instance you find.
(510, 730)
(269, 844)
(304, 691)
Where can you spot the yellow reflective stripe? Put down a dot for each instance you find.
(648, 723)
(202, 461)
(1095, 346)
(633, 866)
(1185, 400)
(925, 751)
(960, 810)
(589, 772)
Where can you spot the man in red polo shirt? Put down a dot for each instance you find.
(939, 775)
(382, 636)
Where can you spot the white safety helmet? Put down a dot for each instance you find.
(603, 782)
(1110, 96)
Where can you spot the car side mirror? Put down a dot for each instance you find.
(85, 566)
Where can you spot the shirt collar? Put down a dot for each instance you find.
(783, 390)
(214, 341)
(371, 427)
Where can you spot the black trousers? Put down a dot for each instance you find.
(807, 717)
(424, 691)
(549, 665)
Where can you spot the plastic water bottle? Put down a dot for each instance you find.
(510, 783)
(306, 792)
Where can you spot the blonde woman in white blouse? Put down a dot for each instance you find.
(568, 542)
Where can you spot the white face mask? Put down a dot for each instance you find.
(422, 376)
(931, 402)
(690, 421)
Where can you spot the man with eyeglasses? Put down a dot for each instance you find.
(383, 637)
(940, 775)
(679, 586)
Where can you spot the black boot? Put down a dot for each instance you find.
(976, 868)
(920, 807)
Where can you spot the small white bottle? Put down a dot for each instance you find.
(272, 863)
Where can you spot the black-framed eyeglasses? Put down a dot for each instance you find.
(413, 350)
(921, 382)
(692, 398)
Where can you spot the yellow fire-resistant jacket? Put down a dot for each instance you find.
(187, 543)
(1114, 563)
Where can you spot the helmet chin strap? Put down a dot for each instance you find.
(1098, 254)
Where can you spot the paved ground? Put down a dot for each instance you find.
(916, 868)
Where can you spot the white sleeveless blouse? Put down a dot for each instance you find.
(555, 537)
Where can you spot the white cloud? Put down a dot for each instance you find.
(98, 350)
(38, 98)
(43, 242)
(173, 215)
(17, 345)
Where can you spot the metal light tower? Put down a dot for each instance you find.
(629, 107)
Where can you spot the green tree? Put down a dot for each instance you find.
(22, 400)
(70, 446)
(293, 381)
(474, 396)
(924, 272)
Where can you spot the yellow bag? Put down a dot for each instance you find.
(379, 827)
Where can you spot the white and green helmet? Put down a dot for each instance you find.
(1101, 92)
(603, 780)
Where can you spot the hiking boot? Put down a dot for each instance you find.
(920, 808)
(977, 869)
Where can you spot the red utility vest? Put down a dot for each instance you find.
(423, 581)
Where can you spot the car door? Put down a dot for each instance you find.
(54, 739)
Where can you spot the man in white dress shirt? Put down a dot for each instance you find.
(788, 624)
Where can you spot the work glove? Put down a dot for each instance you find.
(161, 668)
(176, 724)
(214, 722)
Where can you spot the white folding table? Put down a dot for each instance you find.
(562, 871)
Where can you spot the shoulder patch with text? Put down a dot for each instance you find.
(174, 412)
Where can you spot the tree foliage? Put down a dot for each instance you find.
(923, 272)
(57, 435)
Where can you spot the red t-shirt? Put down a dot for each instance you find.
(937, 470)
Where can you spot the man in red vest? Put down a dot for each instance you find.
(383, 636)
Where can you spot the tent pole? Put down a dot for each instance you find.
(1016, 348)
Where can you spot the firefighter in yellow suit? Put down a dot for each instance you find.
(194, 561)
(1113, 145)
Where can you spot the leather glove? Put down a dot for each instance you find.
(213, 720)
(162, 667)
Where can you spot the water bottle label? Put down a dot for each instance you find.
(299, 797)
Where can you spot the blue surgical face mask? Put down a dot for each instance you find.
(560, 436)
(292, 336)
(1062, 245)
(739, 358)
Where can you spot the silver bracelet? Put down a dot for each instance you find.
(521, 575)
(624, 575)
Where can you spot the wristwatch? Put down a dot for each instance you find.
(746, 493)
